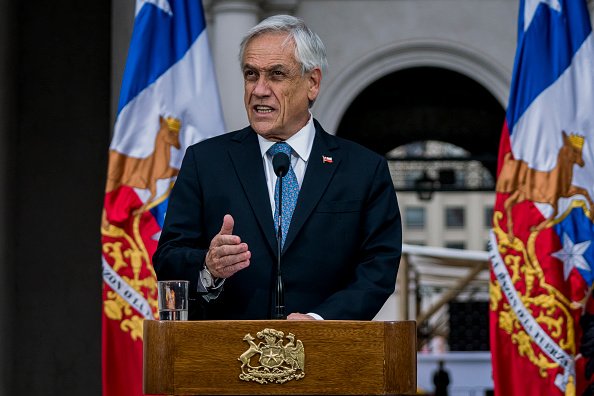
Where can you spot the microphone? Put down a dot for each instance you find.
(280, 164)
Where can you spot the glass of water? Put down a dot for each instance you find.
(173, 299)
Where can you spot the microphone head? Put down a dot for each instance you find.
(280, 163)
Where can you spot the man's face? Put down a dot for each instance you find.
(277, 95)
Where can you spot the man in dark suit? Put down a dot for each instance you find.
(341, 252)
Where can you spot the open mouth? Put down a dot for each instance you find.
(261, 109)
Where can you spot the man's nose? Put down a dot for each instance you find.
(262, 87)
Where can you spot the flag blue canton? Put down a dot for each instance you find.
(170, 37)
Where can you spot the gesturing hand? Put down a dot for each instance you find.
(227, 254)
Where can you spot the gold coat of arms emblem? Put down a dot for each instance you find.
(270, 358)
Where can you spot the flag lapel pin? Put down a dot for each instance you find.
(326, 160)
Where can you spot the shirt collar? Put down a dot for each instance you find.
(301, 142)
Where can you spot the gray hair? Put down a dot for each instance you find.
(309, 49)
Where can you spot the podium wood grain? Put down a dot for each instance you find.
(341, 357)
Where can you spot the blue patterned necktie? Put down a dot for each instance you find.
(290, 190)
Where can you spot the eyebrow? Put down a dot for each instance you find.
(266, 69)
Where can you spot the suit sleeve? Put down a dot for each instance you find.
(183, 243)
(376, 264)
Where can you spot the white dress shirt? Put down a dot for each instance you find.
(301, 143)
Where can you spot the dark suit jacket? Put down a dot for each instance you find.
(343, 247)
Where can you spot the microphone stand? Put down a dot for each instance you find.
(279, 310)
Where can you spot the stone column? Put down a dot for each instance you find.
(231, 20)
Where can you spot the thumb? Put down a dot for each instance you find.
(227, 227)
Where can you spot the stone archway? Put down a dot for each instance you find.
(346, 86)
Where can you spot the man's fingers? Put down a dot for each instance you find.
(229, 254)
(229, 270)
(219, 258)
(227, 227)
(232, 250)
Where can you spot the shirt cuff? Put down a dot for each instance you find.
(210, 293)
(315, 315)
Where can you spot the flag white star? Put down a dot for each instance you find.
(572, 255)
(530, 9)
(162, 4)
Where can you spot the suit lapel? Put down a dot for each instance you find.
(247, 161)
(317, 176)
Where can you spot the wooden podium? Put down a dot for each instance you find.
(307, 357)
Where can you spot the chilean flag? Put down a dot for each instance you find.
(542, 328)
(168, 101)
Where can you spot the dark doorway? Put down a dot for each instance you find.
(426, 103)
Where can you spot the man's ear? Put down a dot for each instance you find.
(314, 81)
